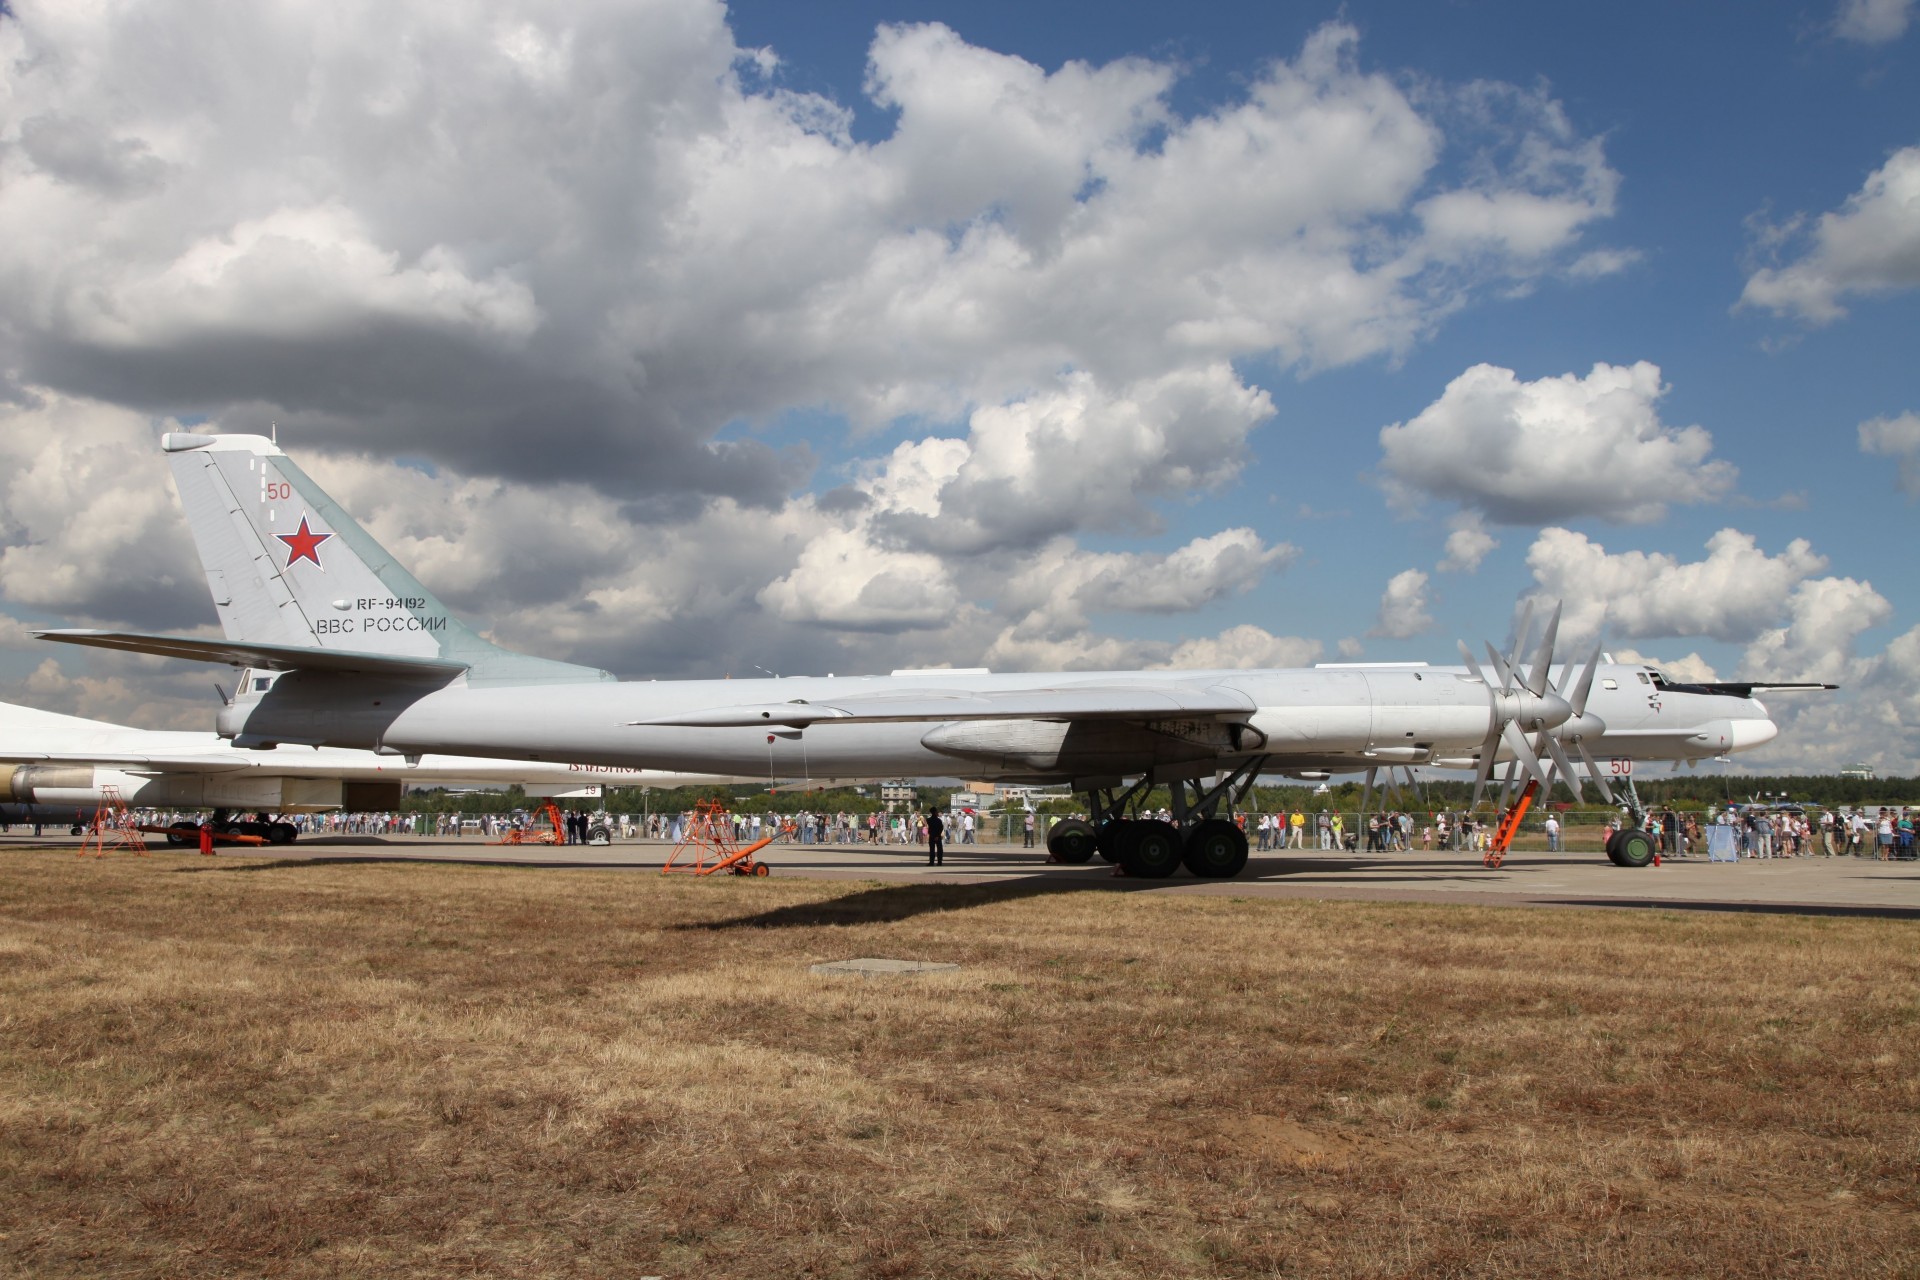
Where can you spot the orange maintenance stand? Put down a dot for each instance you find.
(708, 847)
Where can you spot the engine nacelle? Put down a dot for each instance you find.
(49, 783)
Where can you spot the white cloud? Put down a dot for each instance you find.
(1873, 21)
(1467, 544)
(1243, 646)
(1871, 245)
(1556, 448)
(1734, 594)
(88, 522)
(1825, 616)
(844, 580)
(447, 231)
(1899, 439)
(1403, 607)
(1080, 457)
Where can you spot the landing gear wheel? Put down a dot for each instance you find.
(1632, 849)
(599, 835)
(1108, 837)
(76, 830)
(1073, 841)
(181, 836)
(1151, 849)
(282, 833)
(1216, 850)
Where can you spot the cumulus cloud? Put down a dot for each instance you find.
(1899, 439)
(1243, 646)
(1403, 607)
(1870, 245)
(1825, 617)
(1078, 457)
(458, 229)
(1468, 544)
(88, 522)
(1526, 452)
(1873, 21)
(1733, 594)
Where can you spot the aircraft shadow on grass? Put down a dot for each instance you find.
(396, 859)
(886, 904)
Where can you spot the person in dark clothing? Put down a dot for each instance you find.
(936, 839)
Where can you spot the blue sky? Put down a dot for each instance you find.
(845, 337)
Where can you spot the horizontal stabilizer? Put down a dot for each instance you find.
(1098, 702)
(265, 657)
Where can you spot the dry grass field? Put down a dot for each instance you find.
(247, 1068)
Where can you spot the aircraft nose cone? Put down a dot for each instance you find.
(1751, 733)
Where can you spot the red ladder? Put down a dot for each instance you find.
(1510, 826)
(113, 827)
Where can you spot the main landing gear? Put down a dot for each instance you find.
(1202, 836)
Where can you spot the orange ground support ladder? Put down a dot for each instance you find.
(709, 842)
(1510, 826)
(553, 832)
(113, 827)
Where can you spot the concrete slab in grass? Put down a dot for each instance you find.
(873, 967)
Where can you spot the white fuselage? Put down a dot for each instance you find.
(1322, 718)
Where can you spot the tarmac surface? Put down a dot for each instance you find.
(1839, 886)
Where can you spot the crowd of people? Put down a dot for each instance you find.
(1753, 831)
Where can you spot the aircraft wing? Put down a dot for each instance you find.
(1131, 701)
(131, 762)
(266, 657)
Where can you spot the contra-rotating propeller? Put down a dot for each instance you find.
(1528, 703)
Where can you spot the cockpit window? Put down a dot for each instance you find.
(1659, 681)
(1643, 677)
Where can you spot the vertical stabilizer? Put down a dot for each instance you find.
(287, 566)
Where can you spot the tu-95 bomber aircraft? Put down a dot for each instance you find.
(342, 646)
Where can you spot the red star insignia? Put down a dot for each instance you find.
(304, 545)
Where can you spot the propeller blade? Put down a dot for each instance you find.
(1520, 635)
(1507, 787)
(1473, 666)
(1507, 682)
(1484, 774)
(1563, 766)
(1593, 770)
(1517, 743)
(1577, 699)
(1543, 656)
